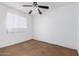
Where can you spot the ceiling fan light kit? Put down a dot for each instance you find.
(36, 7)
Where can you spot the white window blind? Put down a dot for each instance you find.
(15, 22)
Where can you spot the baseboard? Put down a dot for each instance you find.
(57, 45)
(14, 43)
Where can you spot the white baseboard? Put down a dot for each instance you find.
(13, 42)
(51, 42)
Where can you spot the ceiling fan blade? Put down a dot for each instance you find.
(39, 11)
(30, 12)
(27, 5)
(45, 7)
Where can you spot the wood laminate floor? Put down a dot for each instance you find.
(36, 48)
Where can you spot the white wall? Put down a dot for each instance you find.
(6, 38)
(57, 26)
(77, 26)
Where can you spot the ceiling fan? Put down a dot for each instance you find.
(36, 7)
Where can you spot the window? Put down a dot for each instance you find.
(15, 22)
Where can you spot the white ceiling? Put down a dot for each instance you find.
(18, 5)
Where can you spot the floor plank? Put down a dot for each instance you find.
(36, 48)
